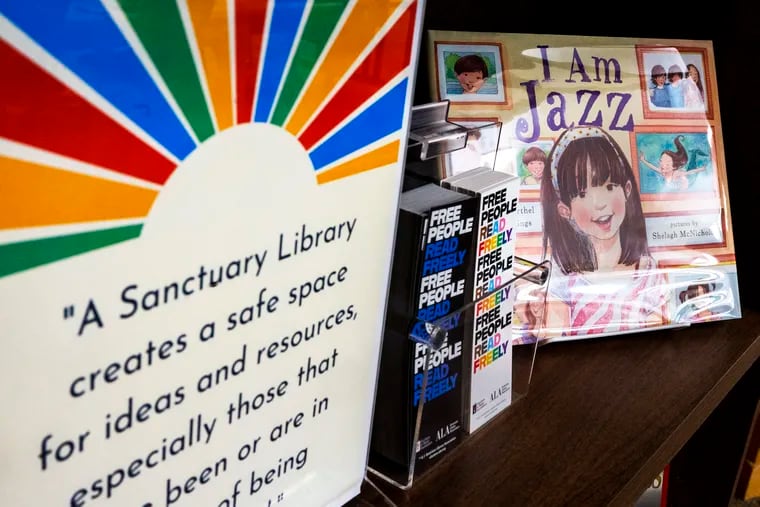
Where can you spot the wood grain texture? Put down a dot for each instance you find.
(601, 420)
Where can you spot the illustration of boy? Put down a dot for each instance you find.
(471, 72)
(534, 159)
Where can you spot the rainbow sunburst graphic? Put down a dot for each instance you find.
(103, 100)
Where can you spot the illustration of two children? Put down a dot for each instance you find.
(673, 89)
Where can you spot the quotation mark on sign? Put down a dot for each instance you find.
(68, 312)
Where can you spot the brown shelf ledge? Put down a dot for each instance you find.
(601, 420)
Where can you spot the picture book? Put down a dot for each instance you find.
(430, 280)
(618, 146)
(488, 340)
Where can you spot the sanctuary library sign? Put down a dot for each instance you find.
(197, 210)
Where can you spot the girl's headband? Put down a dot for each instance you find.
(564, 141)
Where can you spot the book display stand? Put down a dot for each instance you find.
(470, 343)
(439, 147)
(433, 344)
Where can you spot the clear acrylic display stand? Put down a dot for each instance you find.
(523, 357)
(439, 148)
(432, 139)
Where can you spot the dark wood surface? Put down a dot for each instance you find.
(601, 420)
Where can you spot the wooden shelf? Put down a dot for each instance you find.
(601, 420)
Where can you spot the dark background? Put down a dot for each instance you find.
(733, 29)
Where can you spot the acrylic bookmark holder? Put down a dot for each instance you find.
(433, 342)
(439, 148)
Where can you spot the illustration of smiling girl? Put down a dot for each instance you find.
(604, 278)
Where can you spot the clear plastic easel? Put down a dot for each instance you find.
(533, 280)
